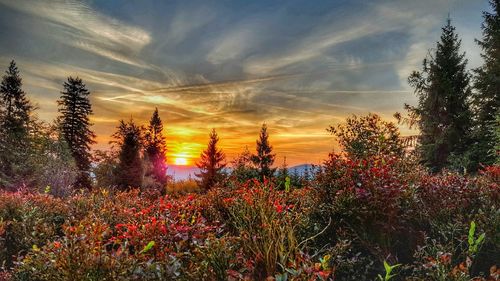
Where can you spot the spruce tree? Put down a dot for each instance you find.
(487, 95)
(155, 148)
(16, 107)
(443, 90)
(264, 158)
(15, 110)
(211, 164)
(75, 109)
(130, 171)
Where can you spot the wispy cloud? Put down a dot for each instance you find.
(77, 24)
(230, 65)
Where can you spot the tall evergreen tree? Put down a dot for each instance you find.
(130, 171)
(155, 148)
(264, 158)
(443, 90)
(211, 164)
(75, 109)
(15, 110)
(487, 96)
(16, 107)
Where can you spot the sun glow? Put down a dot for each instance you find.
(181, 161)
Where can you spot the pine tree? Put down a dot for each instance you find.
(264, 158)
(130, 171)
(443, 90)
(487, 96)
(75, 109)
(15, 110)
(155, 148)
(211, 164)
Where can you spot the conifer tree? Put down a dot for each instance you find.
(16, 107)
(130, 171)
(155, 148)
(487, 95)
(211, 164)
(443, 90)
(75, 109)
(264, 158)
(15, 110)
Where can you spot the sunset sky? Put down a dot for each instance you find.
(297, 65)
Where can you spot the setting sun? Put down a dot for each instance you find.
(181, 161)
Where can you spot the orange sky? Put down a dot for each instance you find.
(230, 65)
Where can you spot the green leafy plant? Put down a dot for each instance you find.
(325, 262)
(287, 184)
(473, 242)
(388, 270)
(148, 247)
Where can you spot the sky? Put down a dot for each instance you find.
(299, 66)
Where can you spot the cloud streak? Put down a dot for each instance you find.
(229, 65)
(78, 25)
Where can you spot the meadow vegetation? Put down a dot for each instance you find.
(380, 208)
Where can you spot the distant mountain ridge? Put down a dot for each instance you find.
(301, 169)
(184, 172)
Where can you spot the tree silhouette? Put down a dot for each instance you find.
(264, 158)
(443, 90)
(130, 171)
(155, 148)
(75, 108)
(15, 110)
(211, 164)
(486, 99)
(16, 107)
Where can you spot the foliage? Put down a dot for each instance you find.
(486, 100)
(266, 223)
(130, 170)
(388, 209)
(105, 168)
(183, 186)
(443, 110)
(264, 158)
(75, 108)
(15, 118)
(155, 149)
(15, 107)
(242, 168)
(364, 212)
(388, 270)
(368, 136)
(211, 163)
(51, 160)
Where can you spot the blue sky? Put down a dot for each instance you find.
(299, 66)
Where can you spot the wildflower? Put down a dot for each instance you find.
(279, 208)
